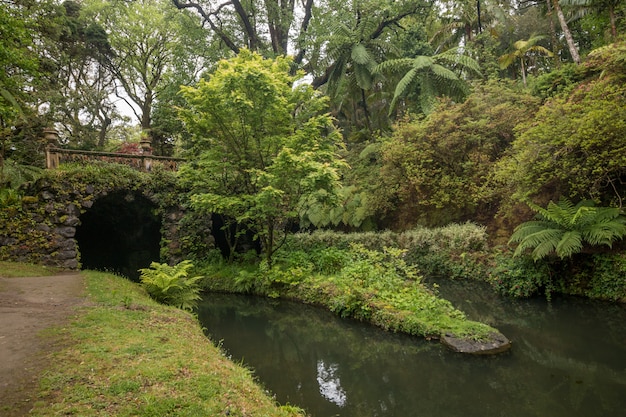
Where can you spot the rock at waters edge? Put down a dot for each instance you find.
(495, 343)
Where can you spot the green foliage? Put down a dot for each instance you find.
(378, 286)
(9, 198)
(455, 251)
(434, 76)
(575, 146)
(263, 151)
(520, 277)
(18, 63)
(558, 81)
(600, 276)
(13, 174)
(436, 170)
(326, 239)
(564, 228)
(172, 285)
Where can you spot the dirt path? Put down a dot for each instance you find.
(27, 307)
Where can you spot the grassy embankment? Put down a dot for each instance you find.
(378, 286)
(125, 355)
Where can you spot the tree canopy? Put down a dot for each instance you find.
(262, 150)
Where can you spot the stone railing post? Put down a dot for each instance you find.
(51, 136)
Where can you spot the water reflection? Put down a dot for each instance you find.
(330, 384)
(567, 360)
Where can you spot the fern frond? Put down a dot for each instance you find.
(360, 54)
(394, 65)
(363, 77)
(453, 56)
(565, 228)
(422, 61)
(546, 240)
(543, 249)
(428, 95)
(443, 72)
(570, 243)
(402, 86)
(530, 228)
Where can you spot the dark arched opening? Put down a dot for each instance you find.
(119, 233)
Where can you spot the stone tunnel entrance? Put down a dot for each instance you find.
(120, 233)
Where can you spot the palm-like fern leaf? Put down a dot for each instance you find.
(571, 242)
(564, 228)
(404, 83)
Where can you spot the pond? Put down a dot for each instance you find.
(568, 358)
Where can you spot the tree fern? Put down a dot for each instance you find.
(435, 75)
(564, 228)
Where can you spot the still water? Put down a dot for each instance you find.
(568, 358)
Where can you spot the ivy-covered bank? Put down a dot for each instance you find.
(39, 225)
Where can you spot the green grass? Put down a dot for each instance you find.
(126, 355)
(16, 269)
(378, 287)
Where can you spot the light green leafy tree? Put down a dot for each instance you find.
(564, 228)
(263, 149)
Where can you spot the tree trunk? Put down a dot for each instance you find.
(573, 49)
(612, 19)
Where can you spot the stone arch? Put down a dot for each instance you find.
(120, 232)
(54, 208)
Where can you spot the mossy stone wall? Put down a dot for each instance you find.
(43, 228)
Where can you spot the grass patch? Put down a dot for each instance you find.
(126, 355)
(17, 269)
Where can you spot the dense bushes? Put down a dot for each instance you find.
(367, 276)
(438, 167)
(597, 276)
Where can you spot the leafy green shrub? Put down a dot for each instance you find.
(322, 239)
(329, 261)
(171, 285)
(458, 237)
(559, 81)
(601, 276)
(521, 277)
(574, 146)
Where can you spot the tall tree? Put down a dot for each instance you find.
(19, 67)
(147, 37)
(244, 24)
(262, 150)
(80, 85)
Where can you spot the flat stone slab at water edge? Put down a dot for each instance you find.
(496, 343)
